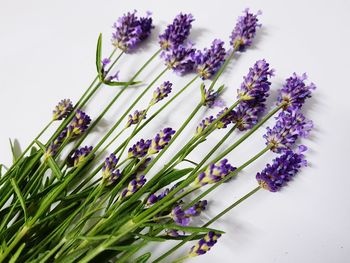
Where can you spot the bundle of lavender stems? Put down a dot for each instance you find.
(63, 201)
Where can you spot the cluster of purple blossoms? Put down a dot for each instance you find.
(253, 93)
(204, 244)
(109, 171)
(135, 118)
(179, 58)
(225, 118)
(212, 98)
(134, 186)
(79, 124)
(153, 198)
(282, 170)
(290, 125)
(54, 146)
(294, 92)
(244, 32)
(161, 92)
(160, 140)
(104, 63)
(79, 156)
(214, 173)
(176, 33)
(183, 217)
(204, 124)
(139, 149)
(130, 30)
(62, 109)
(209, 61)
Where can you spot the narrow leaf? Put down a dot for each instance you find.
(143, 258)
(20, 197)
(51, 162)
(99, 56)
(14, 158)
(190, 229)
(149, 238)
(121, 83)
(173, 176)
(17, 254)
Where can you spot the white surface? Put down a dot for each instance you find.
(47, 53)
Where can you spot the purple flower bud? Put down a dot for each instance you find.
(79, 156)
(139, 149)
(245, 117)
(62, 110)
(214, 173)
(244, 32)
(204, 124)
(176, 33)
(161, 140)
(79, 124)
(54, 146)
(161, 92)
(134, 186)
(290, 125)
(130, 30)
(104, 63)
(294, 92)
(282, 170)
(204, 244)
(226, 120)
(209, 61)
(136, 117)
(179, 58)
(109, 171)
(197, 208)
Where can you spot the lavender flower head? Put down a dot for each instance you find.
(161, 140)
(176, 33)
(209, 61)
(135, 118)
(79, 156)
(226, 120)
(204, 124)
(212, 98)
(290, 125)
(130, 30)
(54, 146)
(153, 198)
(294, 92)
(204, 244)
(244, 32)
(179, 58)
(282, 170)
(79, 124)
(214, 173)
(134, 186)
(109, 171)
(104, 63)
(62, 109)
(245, 117)
(161, 92)
(139, 149)
(183, 217)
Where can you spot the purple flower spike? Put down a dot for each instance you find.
(290, 125)
(176, 33)
(179, 58)
(179, 216)
(79, 124)
(212, 98)
(109, 171)
(139, 149)
(134, 186)
(161, 140)
(104, 63)
(62, 110)
(245, 117)
(197, 208)
(294, 92)
(226, 120)
(204, 244)
(130, 30)
(54, 146)
(79, 156)
(204, 124)
(214, 173)
(209, 61)
(153, 198)
(281, 171)
(136, 117)
(161, 92)
(244, 32)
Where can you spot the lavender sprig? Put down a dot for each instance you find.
(62, 110)
(204, 244)
(161, 140)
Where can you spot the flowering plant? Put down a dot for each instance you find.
(65, 202)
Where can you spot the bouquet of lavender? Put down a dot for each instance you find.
(65, 202)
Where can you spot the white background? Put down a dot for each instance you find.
(47, 53)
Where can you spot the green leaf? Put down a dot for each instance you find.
(143, 258)
(20, 197)
(17, 254)
(33, 150)
(190, 229)
(173, 176)
(149, 238)
(14, 156)
(51, 162)
(119, 83)
(99, 56)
